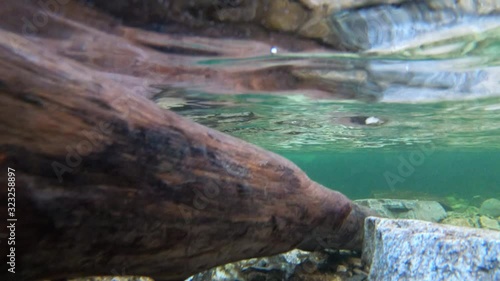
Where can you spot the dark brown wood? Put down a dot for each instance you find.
(108, 183)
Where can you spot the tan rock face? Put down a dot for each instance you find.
(282, 15)
(244, 11)
(342, 268)
(279, 15)
(316, 26)
(467, 222)
(489, 223)
(342, 24)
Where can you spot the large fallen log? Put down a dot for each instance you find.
(106, 182)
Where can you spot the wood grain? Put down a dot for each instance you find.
(108, 182)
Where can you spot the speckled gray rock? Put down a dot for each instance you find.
(490, 207)
(405, 209)
(416, 250)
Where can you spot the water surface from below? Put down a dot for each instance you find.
(414, 150)
(414, 121)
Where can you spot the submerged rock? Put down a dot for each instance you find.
(366, 120)
(405, 209)
(470, 6)
(389, 26)
(415, 250)
(489, 223)
(480, 7)
(457, 221)
(471, 218)
(490, 207)
(295, 265)
(455, 204)
(278, 267)
(359, 25)
(466, 218)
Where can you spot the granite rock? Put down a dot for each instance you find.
(416, 250)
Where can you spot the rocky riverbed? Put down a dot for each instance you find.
(339, 265)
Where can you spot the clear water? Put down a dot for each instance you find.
(438, 106)
(451, 147)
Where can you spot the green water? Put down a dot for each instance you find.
(423, 150)
(439, 113)
(404, 172)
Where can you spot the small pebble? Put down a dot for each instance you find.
(372, 120)
(341, 268)
(488, 223)
(345, 252)
(358, 271)
(356, 262)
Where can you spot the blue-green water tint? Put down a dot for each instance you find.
(440, 173)
(424, 150)
(439, 110)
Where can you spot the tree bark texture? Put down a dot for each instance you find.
(107, 182)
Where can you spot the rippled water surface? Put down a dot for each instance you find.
(298, 123)
(435, 107)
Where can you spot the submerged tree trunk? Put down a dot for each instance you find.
(108, 183)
